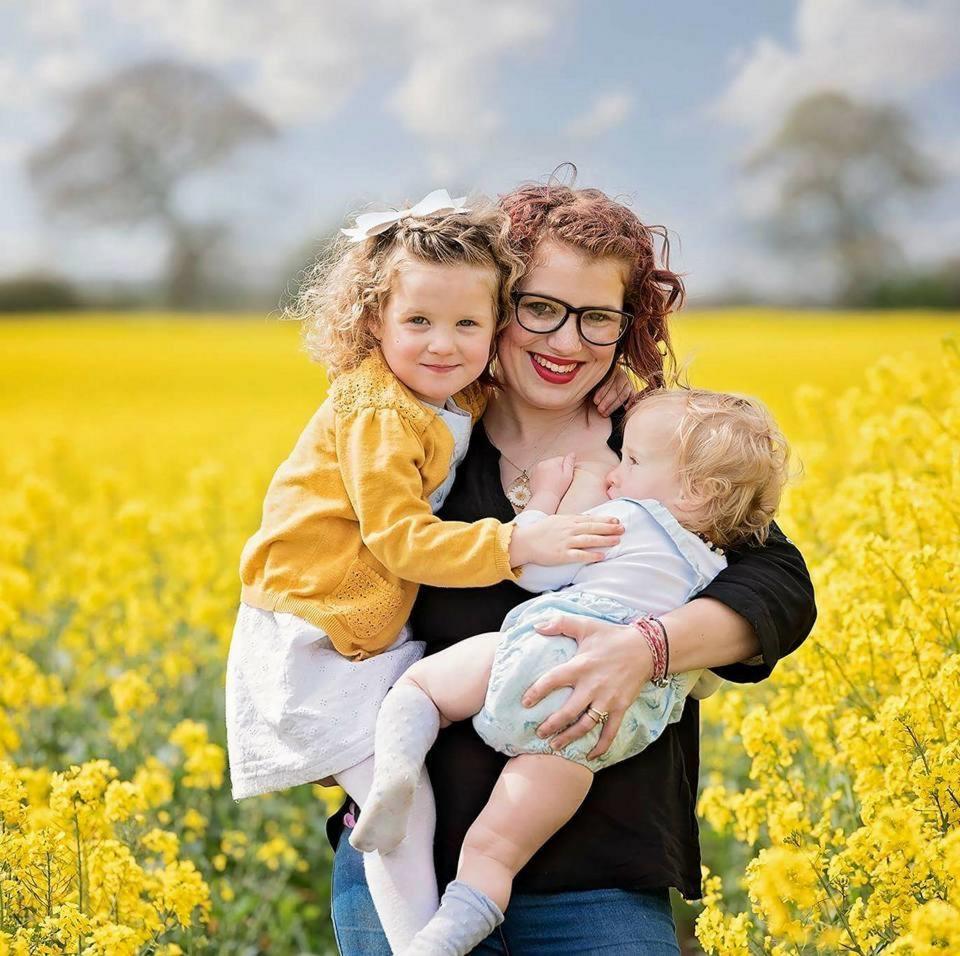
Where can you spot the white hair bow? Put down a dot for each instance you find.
(437, 203)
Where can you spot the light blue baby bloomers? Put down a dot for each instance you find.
(524, 655)
(657, 558)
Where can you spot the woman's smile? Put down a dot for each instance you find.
(553, 369)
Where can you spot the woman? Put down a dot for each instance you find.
(600, 885)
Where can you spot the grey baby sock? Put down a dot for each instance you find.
(407, 726)
(465, 918)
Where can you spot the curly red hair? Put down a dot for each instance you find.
(599, 227)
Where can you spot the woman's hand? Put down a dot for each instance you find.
(618, 390)
(612, 664)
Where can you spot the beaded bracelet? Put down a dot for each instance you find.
(655, 634)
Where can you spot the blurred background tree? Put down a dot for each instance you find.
(128, 147)
(839, 167)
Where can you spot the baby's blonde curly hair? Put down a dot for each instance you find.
(340, 302)
(732, 457)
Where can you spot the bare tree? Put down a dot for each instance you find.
(130, 143)
(840, 165)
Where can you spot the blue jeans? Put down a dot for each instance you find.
(588, 923)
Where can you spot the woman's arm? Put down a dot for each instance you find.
(705, 633)
(769, 587)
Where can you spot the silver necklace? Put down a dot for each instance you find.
(519, 491)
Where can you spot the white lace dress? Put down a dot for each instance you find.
(296, 709)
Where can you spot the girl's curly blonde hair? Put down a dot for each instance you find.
(340, 302)
(732, 457)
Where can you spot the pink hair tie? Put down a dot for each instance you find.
(655, 634)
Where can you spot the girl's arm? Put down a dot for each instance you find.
(380, 456)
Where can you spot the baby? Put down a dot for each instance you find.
(700, 470)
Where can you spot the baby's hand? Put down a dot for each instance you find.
(564, 539)
(552, 476)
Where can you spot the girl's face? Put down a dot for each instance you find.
(558, 369)
(437, 326)
(650, 464)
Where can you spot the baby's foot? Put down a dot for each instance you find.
(383, 818)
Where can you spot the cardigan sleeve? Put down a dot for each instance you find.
(770, 586)
(380, 455)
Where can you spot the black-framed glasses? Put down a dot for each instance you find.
(543, 313)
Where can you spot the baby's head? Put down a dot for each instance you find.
(430, 291)
(717, 461)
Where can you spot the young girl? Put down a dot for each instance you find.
(404, 315)
(698, 467)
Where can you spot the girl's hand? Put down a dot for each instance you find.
(611, 666)
(618, 390)
(564, 539)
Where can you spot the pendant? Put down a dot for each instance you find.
(519, 493)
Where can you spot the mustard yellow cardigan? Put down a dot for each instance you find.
(348, 534)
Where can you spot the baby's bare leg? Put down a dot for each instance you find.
(436, 691)
(535, 795)
(456, 679)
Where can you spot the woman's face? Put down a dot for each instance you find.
(576, 367)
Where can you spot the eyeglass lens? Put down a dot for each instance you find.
(599, 326)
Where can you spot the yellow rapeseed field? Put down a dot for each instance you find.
(133, 459)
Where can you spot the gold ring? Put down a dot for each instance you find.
(599, 716)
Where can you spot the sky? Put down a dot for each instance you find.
(385, 100)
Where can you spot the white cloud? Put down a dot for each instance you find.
(947, 156)
(299, 61)
(873, 49)
(454, 52)
(63, 70)
(434, 66)
(607, 111)
(62, 18)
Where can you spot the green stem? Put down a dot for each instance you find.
(854, 690)
(839, 911)
(76, 822)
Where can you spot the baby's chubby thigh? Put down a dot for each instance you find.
(522, 657)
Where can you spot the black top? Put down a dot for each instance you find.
(637, 828)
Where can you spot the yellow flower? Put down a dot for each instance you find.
(181, 890)
(131, 693)
(122, 800)
(276, 853)
(163, 843)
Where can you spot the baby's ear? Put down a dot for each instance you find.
(690, 503)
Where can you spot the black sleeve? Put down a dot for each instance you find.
(769, 586)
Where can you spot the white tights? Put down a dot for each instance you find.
(403, 883)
